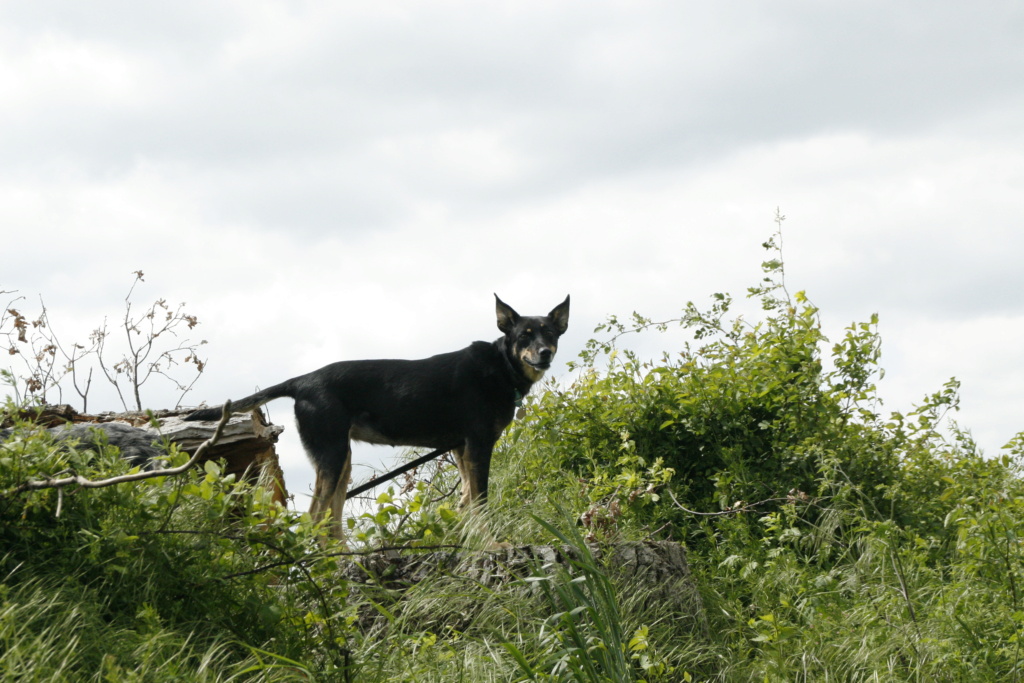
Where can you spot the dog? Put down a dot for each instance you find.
(460, 401)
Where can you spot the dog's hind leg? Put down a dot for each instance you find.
(324, 434)
(323, 492)
(337, 501)
(329, 496)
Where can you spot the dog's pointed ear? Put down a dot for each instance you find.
(507, 318)
(559, 316)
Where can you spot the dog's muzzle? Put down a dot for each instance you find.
(542, 360)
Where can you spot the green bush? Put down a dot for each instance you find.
(747, 413)
(830, 541)
(116, 578)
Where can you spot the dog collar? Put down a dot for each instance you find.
(519, 399)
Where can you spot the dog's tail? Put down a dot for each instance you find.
(243, 405)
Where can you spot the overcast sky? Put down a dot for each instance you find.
(331, 180)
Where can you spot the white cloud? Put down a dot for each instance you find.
(55, 70)
(336, 180)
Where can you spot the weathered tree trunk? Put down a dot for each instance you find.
(246, 445)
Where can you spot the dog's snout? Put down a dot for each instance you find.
(545, 354)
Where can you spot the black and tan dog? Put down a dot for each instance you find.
(461, 400)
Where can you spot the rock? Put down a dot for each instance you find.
(658, 570)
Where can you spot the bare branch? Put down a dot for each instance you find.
(149, 343)
(744, 507)
(101, 334)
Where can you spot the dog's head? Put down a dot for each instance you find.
(532, 340)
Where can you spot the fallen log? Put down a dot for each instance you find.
(662, 563)
(656, 571)
(247, 444)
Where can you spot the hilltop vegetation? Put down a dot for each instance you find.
(829, 539)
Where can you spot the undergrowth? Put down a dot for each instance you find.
(829, 539)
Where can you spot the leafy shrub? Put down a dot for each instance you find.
(198, 565)
(747, 413)
(412, 518)
(829, 540)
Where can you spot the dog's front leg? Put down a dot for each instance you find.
(461, 460)
(474, 461)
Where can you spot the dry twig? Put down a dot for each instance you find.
(794, 497)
